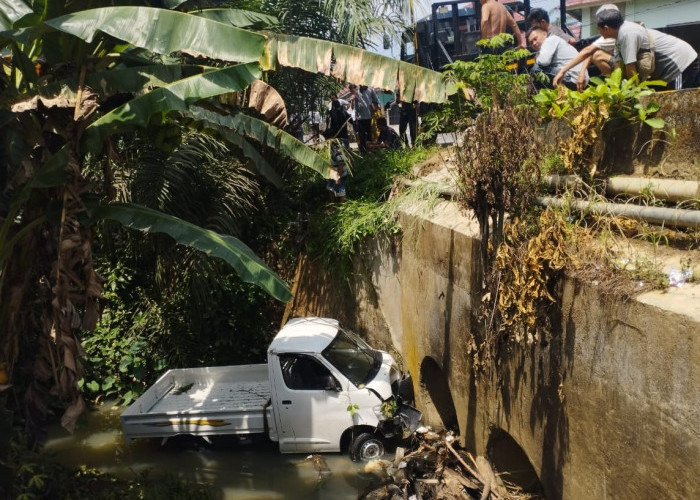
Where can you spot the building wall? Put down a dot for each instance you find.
(653, 13)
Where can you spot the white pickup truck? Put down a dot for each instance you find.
(323, 389)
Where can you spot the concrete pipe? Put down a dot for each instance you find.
(674, 217)
(663, 189)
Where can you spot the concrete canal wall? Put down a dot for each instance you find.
(608, 408)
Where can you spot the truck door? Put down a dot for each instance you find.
(312, 413)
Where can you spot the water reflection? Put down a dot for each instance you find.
(251, 470)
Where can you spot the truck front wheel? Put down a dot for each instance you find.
(366, 447)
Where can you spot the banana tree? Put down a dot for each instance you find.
(78, 79)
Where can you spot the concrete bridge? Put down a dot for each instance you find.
(606, 406)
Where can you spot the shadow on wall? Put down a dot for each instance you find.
(433, 380)
(543, 369)
(512, 463)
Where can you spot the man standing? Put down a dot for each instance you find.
(553, 53)
(365, 104)
(538, 18)
(649, 53)
(494, 18)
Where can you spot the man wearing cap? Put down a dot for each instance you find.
(649, 53)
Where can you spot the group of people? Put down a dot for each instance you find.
(649, 53)
(358, 111)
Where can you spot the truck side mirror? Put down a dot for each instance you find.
(330, 383)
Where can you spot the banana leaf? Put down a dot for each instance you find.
(247, 265)
(12, 11)
(123, 80)
(283, 143)
(239, 18)
(355, 65)
(257, 162)
(164, 32)
(177, 96)
(171, 4)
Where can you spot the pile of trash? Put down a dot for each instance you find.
(437, 469)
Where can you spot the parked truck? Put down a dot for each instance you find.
(323, 389)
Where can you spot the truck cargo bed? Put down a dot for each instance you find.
(201, 401)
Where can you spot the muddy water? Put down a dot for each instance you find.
(252, 470)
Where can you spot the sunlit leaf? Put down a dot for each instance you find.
(239, 18)
(12, 11)
(655, 122)
(357, 66)
(177, 96)
(164, 32)
(264, 133)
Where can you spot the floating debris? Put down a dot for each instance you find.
(437, 469)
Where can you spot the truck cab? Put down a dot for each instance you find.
(331, 391)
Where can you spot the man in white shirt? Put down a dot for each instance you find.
(600, 53)
(553, 52)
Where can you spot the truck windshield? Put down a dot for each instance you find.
(353, 357)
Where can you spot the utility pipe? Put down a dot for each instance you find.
(656, 215)
(662, 189)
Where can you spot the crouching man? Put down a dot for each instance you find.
(649, 53)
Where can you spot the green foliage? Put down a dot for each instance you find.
(389, 408)
(613, 96)
(588, 111)
(491, 80)
(353, 408)
(494, 77)
(371, 207)
(119, 358)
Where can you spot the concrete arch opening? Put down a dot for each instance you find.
(434, 382)
(512, 463)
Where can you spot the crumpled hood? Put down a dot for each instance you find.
(382, 382)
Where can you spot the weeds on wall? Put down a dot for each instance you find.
(588, 111)
(527, 265)
(498, 171)
(375, 195)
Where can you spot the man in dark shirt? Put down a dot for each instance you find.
(388, 138)
(538, 18)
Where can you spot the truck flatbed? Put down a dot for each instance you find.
(207, 396)
(201, 401)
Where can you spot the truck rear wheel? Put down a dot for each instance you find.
(366, 447)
